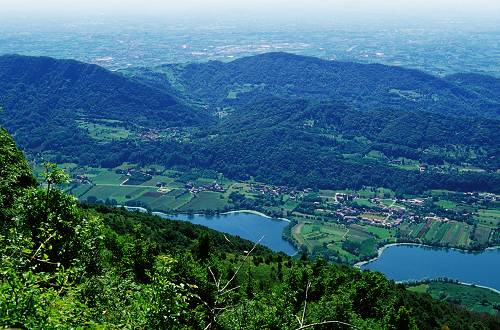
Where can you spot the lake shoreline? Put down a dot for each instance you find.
(435, 279)
(382, 249)
(243, 223)
(256, 213)
(217, 214)
(454, 282)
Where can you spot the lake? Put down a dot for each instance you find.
(416, 262)
(246, 225)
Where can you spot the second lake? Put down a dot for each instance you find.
(417, 262)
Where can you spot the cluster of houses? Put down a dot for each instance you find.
(215, 187)
(342, 198)
(155, 134)
(81, 179)
(276, 191)
(489, 197)
(150, 135)
(353, 215)
(436, 218)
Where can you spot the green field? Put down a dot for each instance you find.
(317, 236)
(482, 234)
(206, 200)
(472, 298)
(105, 133)
(364, 202)
(79, 190)
(160, 178)
(118, 193)
(170, 202)
(446, 204)
(489, 217)
(108, 177)
(451, 233)
(380, 232)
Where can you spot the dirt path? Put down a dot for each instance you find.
(347, 232)
(123, 185)
(296, 233)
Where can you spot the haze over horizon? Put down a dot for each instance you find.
(290, 11)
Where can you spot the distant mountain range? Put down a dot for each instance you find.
(362, 86)
(281, 118)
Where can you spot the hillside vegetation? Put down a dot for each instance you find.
(364, 86)
(280, 118)
(67, 266)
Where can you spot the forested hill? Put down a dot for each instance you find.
(41, 93)
(363, 86)
(69, 266)
(485, 85)
(280, 118)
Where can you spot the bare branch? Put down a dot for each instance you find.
(325, 322)
(305, 305)
(301, 321)
(215, 310)
(40, 247)
(242, 263)
(229, 290)
(217, 283)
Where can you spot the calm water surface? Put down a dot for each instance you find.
(414, 262)
(246, 225)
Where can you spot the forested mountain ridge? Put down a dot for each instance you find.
(363, 86)
(69, 266)
(283, 119)
(485, 85)
(41, 94)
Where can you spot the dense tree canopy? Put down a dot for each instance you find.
(281, 118)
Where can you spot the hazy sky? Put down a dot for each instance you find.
(282, 9)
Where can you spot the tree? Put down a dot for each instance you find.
(202, 250)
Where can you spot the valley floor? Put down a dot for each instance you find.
(340, 225)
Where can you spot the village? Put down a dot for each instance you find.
(346, 207)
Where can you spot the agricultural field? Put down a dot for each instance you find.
(206, 200)
(482, 234)
(364, 202)
(380, 232)
(349, 242)
(120, 194)
(105, 131)
(78, 190)
(489, 217)
(473, 298)
(163, 190)
(446, 204)
(436, 232)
